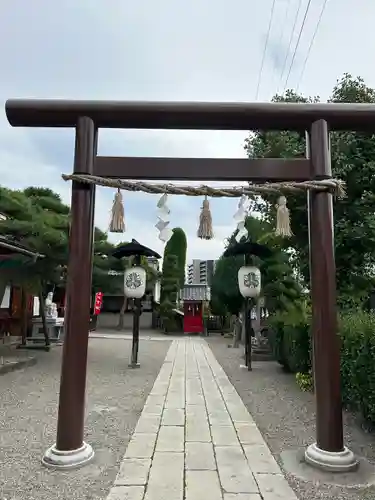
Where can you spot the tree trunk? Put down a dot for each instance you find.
(4, 283)
(237, 332)
(23, 316)
(43, 316)
(121, 319)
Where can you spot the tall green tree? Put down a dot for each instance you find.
(353, 161)
(174, 267)
(170, 287)
(225, 294)
(177, 245)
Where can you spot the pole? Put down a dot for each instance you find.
(70, 449)
(136, 317)
(246, 337)
(326, 346)
(93, 318)
(43, 316)
(135, 346)
(248, 334)
(248, 307)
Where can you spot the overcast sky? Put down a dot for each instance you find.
(201, 50)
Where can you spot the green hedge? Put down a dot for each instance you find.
(290, 340)
(357, 332)
(291, 344)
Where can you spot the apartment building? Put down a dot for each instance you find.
(200, 272)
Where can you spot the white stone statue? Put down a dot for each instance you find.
(54, 313)
(49, 299)
(51, 307)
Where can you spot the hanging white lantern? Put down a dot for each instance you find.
(135, 282)
(249, 281)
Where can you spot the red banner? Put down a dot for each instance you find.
(98, 302)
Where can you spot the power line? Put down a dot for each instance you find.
(297, 44)
(281, 37)
(290, 42)
(265, 49)
(311, 43)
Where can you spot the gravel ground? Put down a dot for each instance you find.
(28, 411)
(285, 416)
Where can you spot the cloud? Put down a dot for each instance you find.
(165, 50)
(43, 169)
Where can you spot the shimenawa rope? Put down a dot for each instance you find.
(335, 186)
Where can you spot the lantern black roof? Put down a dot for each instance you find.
(248, 248)
(134, 248)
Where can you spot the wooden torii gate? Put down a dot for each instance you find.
(87, 117)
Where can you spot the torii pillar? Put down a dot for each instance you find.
(70, 450)
(328, 452)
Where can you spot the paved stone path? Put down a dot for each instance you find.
(151, 335)
(195, 439)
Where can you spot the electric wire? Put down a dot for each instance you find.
(281, 37)
(311, 43)
(265, 49)
(297, 44)
(290, 43)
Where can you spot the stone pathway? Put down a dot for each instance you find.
(152, 335)
(195, 439)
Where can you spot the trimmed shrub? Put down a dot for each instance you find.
(176, 246)
(305, 381)
(357, 332)
(291, 342)
(290, 339)
(276, 337)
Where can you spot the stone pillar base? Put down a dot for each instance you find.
(341, 461)
(72, 459)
